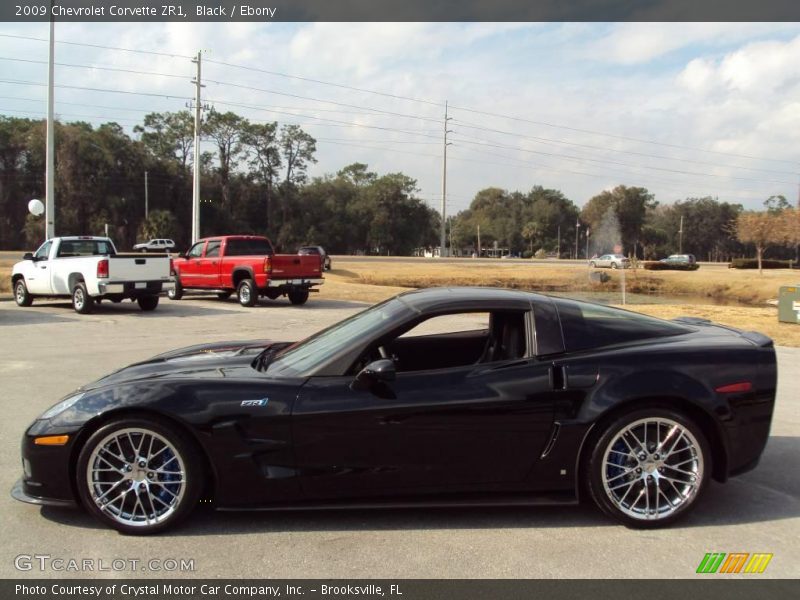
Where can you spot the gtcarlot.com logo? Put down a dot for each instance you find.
(735, 562)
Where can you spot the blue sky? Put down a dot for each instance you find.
(721, 100)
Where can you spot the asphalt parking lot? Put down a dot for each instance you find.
(47, 350)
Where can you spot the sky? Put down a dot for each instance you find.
(685, 110)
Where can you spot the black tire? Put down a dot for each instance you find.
(611, 484)
(614, 265)
(224, 295)
(177, 498)
(148, 303)
(247, 292)
(176, 293)
(592, 265)
(298, 297)
(21, 294)
(81, 300)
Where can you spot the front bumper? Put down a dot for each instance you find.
(134, 289)
(18, 493)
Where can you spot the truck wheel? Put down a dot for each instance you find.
(81, 300)
(176, 293)
(298, 296)
(247, 293)
(224, 295)
(148, 303)
(21, 294)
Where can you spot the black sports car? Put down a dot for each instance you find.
(531, 399)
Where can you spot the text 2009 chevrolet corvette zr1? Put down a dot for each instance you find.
(550, 400)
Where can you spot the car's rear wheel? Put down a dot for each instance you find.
(649, 467)
(592, 265)
(247, 293)
(21, 295)
(176, 293)
(81, 300)
(298, 296)
(139, 475)
(148, 303)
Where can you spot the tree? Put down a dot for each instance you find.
(630, 206)
(776, 204)
(298, 149)
(158, 224)
(760, 229)
(225, 130)
(529, 232)
(261, 143)
(789, 221)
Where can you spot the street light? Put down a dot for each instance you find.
(577, 237)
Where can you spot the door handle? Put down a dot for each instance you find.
(558, 377)
(43, 267)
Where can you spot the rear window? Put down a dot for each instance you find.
(309, 250)
(587, 325)
(248, 247)
(84, 248)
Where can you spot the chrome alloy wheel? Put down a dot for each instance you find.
(136, 477)
(244, 294)
(652, 468)
(20, 292)
(78, 298)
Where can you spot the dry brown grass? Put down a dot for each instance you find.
(715, 283)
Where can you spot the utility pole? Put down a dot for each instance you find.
(558, 252)
(479, 241)
(50, 156)
(587, 242)
(145, 194)
(442, 249)
(680, 237)
(577, 237)
(196, 163)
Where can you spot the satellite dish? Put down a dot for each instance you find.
(35, 207)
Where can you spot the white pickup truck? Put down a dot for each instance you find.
(88, 269)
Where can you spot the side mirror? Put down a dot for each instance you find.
(28, 256)
(379, 371)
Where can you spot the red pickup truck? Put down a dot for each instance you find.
(247, 265)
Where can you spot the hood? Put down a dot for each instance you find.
(217, 360)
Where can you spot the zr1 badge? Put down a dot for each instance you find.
(262, 402)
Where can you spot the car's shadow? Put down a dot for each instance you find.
(126, 308)
(768, 493)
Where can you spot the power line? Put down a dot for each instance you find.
(96, 67)
(328, 83)
(621, 137)
(94, 89)
(116, 48)
(632, 152)
(42, 112)
(613, 162)
(296, 96)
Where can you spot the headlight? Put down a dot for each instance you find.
(61, 406)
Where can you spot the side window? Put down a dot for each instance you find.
(593, 326)
(212, 249)
(44, 250)
(196, 250)
(459, 340)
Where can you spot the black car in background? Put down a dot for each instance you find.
(438, 397)
(318, 250)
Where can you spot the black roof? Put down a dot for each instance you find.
(435, 298)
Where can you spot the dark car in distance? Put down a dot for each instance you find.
(536, 399)
(325, 259)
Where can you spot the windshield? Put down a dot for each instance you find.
(304, 357)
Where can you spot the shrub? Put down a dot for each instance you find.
(527, 254)
(659, 266)
(541, 253)
(752, 263)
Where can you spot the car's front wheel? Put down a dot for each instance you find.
(21, 294)
(139, 475)
(649, 467)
